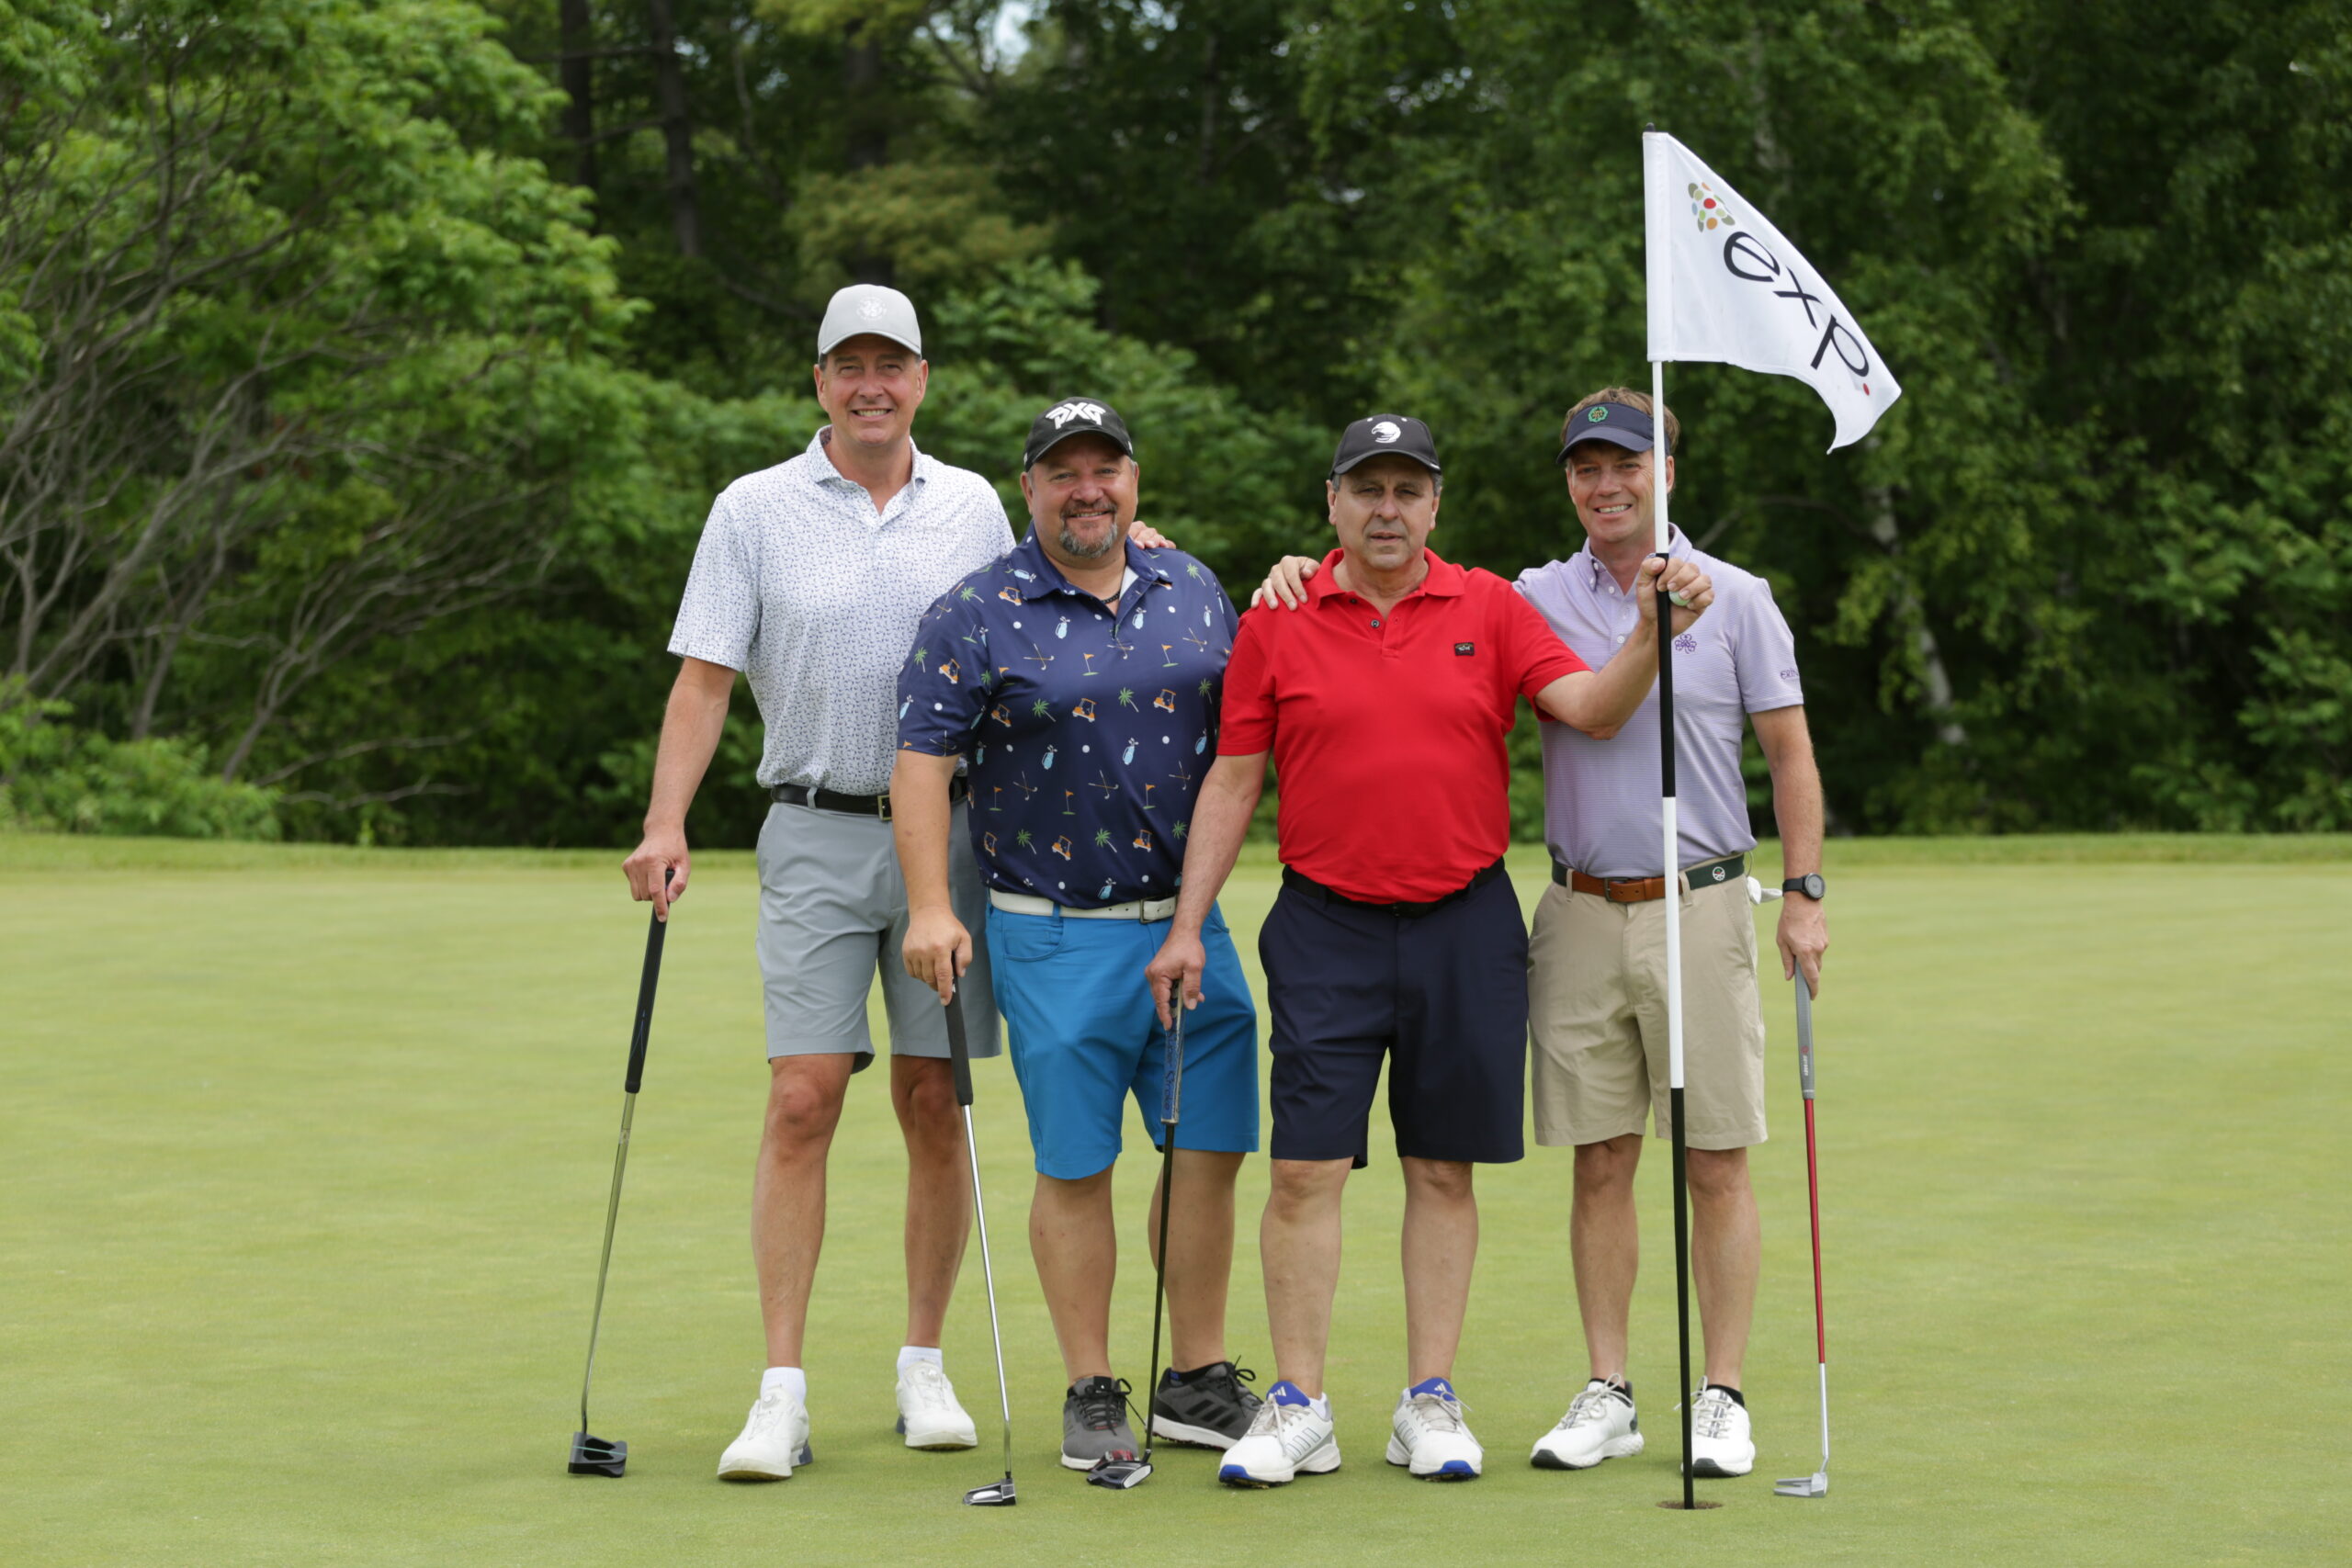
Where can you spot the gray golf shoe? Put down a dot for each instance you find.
(1094, 1422)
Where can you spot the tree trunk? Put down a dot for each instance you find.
(869, 116)
(1912, 616)
(579, 72)
(669, 90)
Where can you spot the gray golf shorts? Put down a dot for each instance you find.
(832, 916)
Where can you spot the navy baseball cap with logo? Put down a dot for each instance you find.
(1620, 424)
(1381, 433)
(1075, 416)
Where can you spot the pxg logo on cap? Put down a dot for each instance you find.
(1381, 433)
(1075, 416)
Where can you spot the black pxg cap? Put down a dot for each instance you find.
(1075, 416)
(1381, 433)
(1620, 424)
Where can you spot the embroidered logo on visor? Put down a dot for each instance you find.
(1465, 650)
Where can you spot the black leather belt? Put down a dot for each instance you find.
(1306, 883)
(874, 805)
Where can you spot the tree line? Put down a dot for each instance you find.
(367, 369)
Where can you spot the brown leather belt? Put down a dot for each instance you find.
(1643, 889)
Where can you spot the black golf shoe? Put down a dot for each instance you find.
(1094, 1422)
(1208, 1408)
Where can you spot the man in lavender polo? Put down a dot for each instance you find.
(1597, 955)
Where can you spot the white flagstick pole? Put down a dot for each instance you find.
(1670, 859)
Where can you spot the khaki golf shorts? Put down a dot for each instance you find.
(1597, 1008)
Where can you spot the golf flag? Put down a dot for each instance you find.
(1727, 287)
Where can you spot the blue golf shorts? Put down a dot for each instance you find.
(1085, 1039)
(1440, 997)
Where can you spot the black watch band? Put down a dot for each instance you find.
(1810, 885)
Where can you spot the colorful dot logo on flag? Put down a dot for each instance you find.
(1707, 208)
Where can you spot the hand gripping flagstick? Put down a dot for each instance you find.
(996, 1494)
(602, 1456)
(1671, 860)
(1109, 1470)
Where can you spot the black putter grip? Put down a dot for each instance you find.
(959, 1050)
(643, 1030)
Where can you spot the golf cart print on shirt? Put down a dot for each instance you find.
(1116, 710)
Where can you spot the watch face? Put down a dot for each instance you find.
(1814, 886)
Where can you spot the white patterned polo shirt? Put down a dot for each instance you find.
(813, 594)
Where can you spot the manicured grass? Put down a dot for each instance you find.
(307, 1152)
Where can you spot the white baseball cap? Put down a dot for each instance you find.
(868, 308)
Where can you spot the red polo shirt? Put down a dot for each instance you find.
(1387, 730)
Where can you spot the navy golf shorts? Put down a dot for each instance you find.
(1439, 996)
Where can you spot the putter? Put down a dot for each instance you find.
(1818, 1484)
(609, 1456)
(996, 1494)
(1123, 1474)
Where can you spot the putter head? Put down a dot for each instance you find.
(995, 1495)
(597, 1456)
(1120, 1470)
(1813, 1485)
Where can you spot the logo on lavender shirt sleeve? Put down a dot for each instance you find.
(1686, 643)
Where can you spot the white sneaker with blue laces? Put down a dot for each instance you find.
(1289, 1437)
(1428, 1437)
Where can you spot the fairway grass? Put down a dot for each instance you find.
(306, 1152)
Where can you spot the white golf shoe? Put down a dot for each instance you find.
(929, 1415)
(1599, 1425)
(1286, 1438)
(1427, 1435)
(774, 1438)
(1719, 1446)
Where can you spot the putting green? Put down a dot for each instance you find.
(306, 1152)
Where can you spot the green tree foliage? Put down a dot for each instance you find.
(366, 366)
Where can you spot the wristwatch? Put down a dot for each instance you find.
(1810, 885)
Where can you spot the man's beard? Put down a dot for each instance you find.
(1076, 551)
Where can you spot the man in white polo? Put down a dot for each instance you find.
(811, 579)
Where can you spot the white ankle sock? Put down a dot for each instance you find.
(909, 1354)
(1322, 1405)
(788, 1380)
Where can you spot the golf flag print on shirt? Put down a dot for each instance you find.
(1727, 287)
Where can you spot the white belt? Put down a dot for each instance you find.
(1136, 909)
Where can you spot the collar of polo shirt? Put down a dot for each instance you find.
(1444, 579)
(1048, 578)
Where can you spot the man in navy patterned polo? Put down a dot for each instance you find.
(1080, 678)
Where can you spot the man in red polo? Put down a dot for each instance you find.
(1397, 936)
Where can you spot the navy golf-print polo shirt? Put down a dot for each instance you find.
(1088, 733)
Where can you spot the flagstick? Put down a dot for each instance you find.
(1672, 862)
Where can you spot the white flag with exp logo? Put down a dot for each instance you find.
(1726, 287)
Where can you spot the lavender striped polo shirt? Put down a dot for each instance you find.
(1600, 797)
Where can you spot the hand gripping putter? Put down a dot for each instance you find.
(1110, 1469)
(996, 1494)
(1818, 1484)
(601, 1456)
